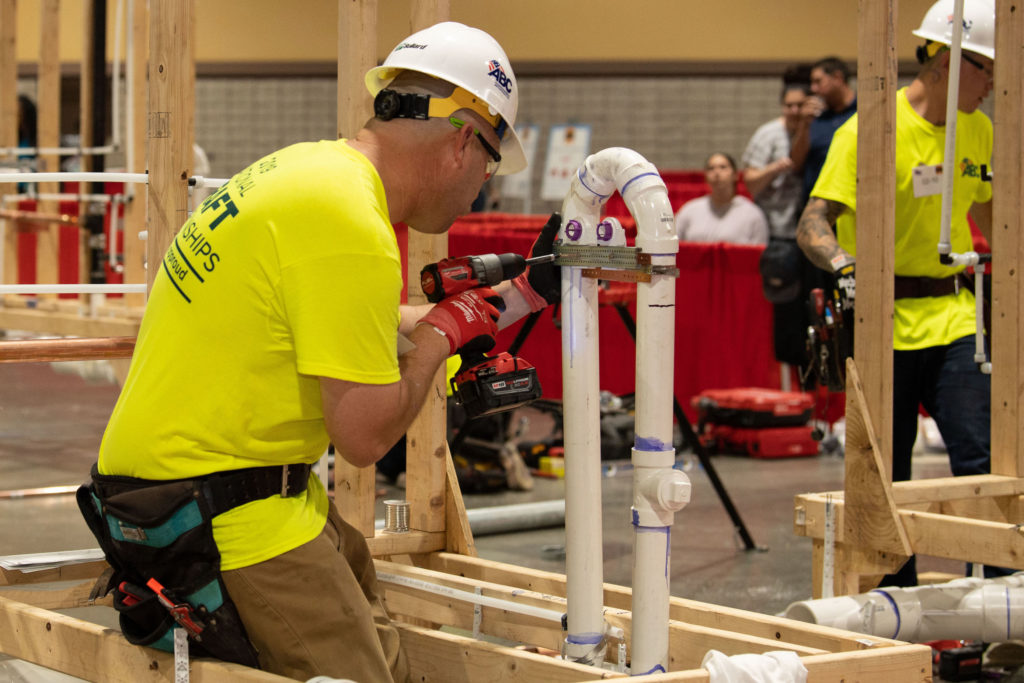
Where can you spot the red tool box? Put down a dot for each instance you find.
(763, 423)
(753, 407)
(767, 442)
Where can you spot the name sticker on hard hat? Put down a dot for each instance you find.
(927, 180)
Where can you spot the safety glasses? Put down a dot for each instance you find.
(977, 65)
(495, 162)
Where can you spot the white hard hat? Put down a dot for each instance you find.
(472, 60)
(979, 30)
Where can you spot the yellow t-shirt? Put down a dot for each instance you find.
(928, 321)
(288, 272)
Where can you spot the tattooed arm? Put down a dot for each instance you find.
(815, 233)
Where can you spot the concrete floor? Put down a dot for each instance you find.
(51, 423)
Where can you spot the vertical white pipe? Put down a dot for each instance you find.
(582, 429)
(949, 155)
(658, 489)
(129, 97)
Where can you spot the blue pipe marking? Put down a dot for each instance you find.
(649, 443)
(587, 638)
(636, 177)
(894, 609)
(658, 668)
(1006, 591)
(583, 182)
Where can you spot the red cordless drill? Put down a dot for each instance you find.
(484, 385)
(453, 275)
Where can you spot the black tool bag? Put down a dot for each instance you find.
(163, 530)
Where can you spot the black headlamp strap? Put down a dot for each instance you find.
(389, 104)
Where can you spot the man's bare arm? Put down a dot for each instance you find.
(815, 233)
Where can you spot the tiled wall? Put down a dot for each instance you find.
(673, 121)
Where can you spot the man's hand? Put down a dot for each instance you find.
(541, 284)
(846, 283)
(468, 319)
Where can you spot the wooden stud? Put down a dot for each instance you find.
(357, 48)
(171, 116)
(1007, 245)
(48, 136)
(426, 440)
(876, 199)
(8, 125)
(135, 211)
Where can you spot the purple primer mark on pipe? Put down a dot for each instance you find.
(636, 177)
(645, 443)
(587, 638)
(656, 669)
(573, 230)
(895, 609)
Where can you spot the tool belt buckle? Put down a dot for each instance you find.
(284, 481)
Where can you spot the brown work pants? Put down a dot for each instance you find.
(315, 610)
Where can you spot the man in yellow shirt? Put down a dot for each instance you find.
(272, 329)
(933, 325)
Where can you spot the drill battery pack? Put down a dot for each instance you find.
(500, 383)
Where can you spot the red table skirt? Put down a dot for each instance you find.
(723, 334)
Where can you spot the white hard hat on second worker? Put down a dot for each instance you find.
(471, 60)
(979, 31)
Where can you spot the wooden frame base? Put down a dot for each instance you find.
(435, 631)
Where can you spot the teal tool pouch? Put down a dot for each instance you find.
(158, 538)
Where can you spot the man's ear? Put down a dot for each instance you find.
(461, 143)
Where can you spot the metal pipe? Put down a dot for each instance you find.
(54, 350)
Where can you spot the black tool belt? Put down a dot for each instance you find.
(158, 538)
(907, 287)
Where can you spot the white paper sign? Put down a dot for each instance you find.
(568, 146)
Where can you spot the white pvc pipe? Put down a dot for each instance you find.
(115, 84)
(581, 431)
(57, 197)
(990, 610)
(949, 155)
(659, 489)
(472, 598)
(79, 176)
(980, 357)
(129, 95)
(72, 289)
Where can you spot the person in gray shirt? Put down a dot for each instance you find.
(722, 215)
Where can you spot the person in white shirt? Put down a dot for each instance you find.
(722, 215)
